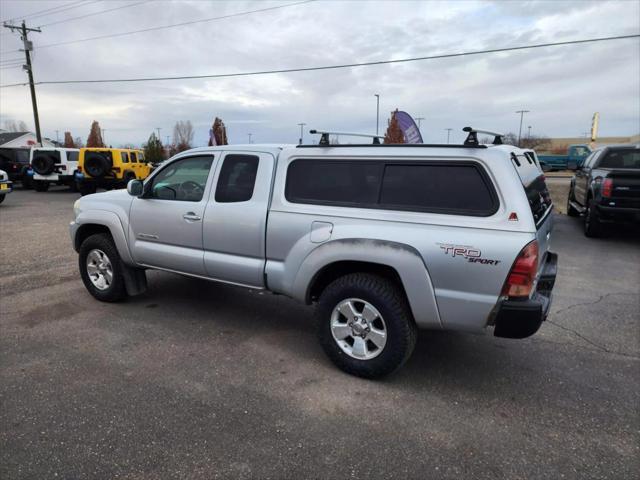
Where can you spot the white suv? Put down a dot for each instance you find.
(53, 165)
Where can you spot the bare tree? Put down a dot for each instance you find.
(78, 142)
(182, 135)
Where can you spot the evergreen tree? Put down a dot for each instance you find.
(68, 140)
(153, 150)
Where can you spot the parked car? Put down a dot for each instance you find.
(15, 162)
(109, 168)
(385, 239)
(53, 165)
(576, 154)
(6, 185)
(606, 189)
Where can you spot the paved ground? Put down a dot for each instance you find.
(198, 380)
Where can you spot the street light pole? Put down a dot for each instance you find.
(57, 137)
(448, 133)
(529, 134)
(377, 95)
(301, 131)
(521, 112)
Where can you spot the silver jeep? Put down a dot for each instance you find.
(384, 239)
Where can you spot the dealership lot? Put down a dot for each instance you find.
(201, 380)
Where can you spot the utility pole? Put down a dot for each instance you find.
(158, 129)
(301, 131)
(249, 136)
(28, 46)
(377, 95)
(448, 133)
(521, 112)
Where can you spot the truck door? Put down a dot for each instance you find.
(235, 221)
(583, 175)
(166, 224)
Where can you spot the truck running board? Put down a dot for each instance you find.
(578, 207)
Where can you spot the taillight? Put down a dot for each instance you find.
(607, 187)
(523, 273)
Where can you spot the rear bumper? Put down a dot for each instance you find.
(80, 178)
(522, 318)
(618, 214)
(6, 187)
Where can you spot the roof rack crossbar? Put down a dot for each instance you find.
(472, 138)
(324, 136)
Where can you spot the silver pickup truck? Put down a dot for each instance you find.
(385, 239)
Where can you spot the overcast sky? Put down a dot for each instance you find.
(561, 86)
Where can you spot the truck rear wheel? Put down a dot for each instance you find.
(592, 225)
(365, 325)
(101, 268)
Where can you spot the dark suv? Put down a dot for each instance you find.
(606, 188)
(15, 161)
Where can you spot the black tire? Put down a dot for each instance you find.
(116, 290)
(43, 163)
(40, 185)
(2, 197)
(389, 300)
(571, 211)
(86, 188)
(592, 224)
(27, 181)
(97, 164)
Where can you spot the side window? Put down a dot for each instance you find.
(141, 157)
(237, 178)
(72, 156)
(133, 157)
(125, 157)
(429, 188)
(183, 180)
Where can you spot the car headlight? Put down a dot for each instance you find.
(76, 208)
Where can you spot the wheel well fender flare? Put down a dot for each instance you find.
(101, 221)
(403, 259)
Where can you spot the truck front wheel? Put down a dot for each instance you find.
(101, 268)
(365, 325)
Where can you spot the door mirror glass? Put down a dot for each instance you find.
(135, 187)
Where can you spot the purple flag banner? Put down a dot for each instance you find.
(409, 128)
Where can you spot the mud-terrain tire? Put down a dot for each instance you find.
(97, 164)
(43, 163)
(362, 291)
(101, 268)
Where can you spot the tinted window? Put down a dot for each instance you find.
(538, 197)
(133, 157)
(445, 188)
(327, 181)
(125, 157)
(621, 159)
(182, 180)
(141, 157)
(237, 178)
(421, 187)
(72, 156)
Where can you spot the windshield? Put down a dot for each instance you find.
(621, 159)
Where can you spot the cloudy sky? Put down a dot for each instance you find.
(561, 86)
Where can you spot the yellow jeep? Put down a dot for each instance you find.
(109, 168)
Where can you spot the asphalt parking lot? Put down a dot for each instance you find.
(200, 380)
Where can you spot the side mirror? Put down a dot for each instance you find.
(135, 188)
(572, 165)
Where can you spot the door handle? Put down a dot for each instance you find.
(191, 217)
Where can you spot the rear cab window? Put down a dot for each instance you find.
(535, 187)
(421, 186)
(622, 158)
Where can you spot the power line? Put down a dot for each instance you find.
(48, 11)
(334, 67)
(93, 13)
(162, 27)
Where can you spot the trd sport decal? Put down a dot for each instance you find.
(473, 255)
